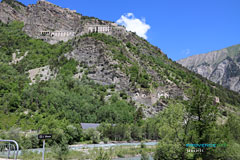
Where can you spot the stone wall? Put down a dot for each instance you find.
(99, 28)
(55, 36)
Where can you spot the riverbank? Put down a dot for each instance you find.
(80, 153)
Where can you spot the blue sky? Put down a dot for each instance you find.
(180, 28)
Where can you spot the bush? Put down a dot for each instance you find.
(144, 156)
(95, 137)
(103, 155)
(105, 140)
(143, 145)
(61, 150)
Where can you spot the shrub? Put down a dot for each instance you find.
(105, 140)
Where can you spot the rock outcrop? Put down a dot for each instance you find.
(52, 23)
(11, 10)
(222, 66)
(41, 74)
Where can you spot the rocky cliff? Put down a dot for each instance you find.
(222, 66)
(52, 23)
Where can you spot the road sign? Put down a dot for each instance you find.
(45, 136)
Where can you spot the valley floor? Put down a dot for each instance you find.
(123, 152)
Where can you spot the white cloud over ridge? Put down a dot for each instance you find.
(186, 51)
(134, 24)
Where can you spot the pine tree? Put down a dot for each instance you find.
(202, 115)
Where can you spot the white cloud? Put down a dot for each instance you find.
(186, 51)
(134, 24)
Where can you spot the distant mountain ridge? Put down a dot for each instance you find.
(221, 66)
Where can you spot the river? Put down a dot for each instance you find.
(81, 146)
(132, 158)
(91, 146)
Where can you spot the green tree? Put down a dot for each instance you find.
(172, 134)
(191, 123)
(202, 116)
(232, 134)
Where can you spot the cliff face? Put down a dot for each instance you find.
(222, 66)
(42, 19)
(45, 18)
(12, 10)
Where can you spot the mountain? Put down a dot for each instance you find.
(59, 68)
(221, 66)
(98, 50)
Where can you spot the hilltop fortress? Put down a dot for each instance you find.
(64, 35)
(52, 23)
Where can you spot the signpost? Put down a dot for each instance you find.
(44, 137)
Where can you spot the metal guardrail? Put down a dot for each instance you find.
(9, 148)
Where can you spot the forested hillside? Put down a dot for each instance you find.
(118, 80)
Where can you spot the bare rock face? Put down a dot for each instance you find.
(97, 59)
(89, 52)
(222, 66)
(43, 20)
(12, 11)
(15, 60)
(50, 22)
(41, 74)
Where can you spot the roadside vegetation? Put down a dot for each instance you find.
(95, 154)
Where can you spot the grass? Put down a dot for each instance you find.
(83, 154)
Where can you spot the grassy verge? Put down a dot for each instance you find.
(93, 154)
